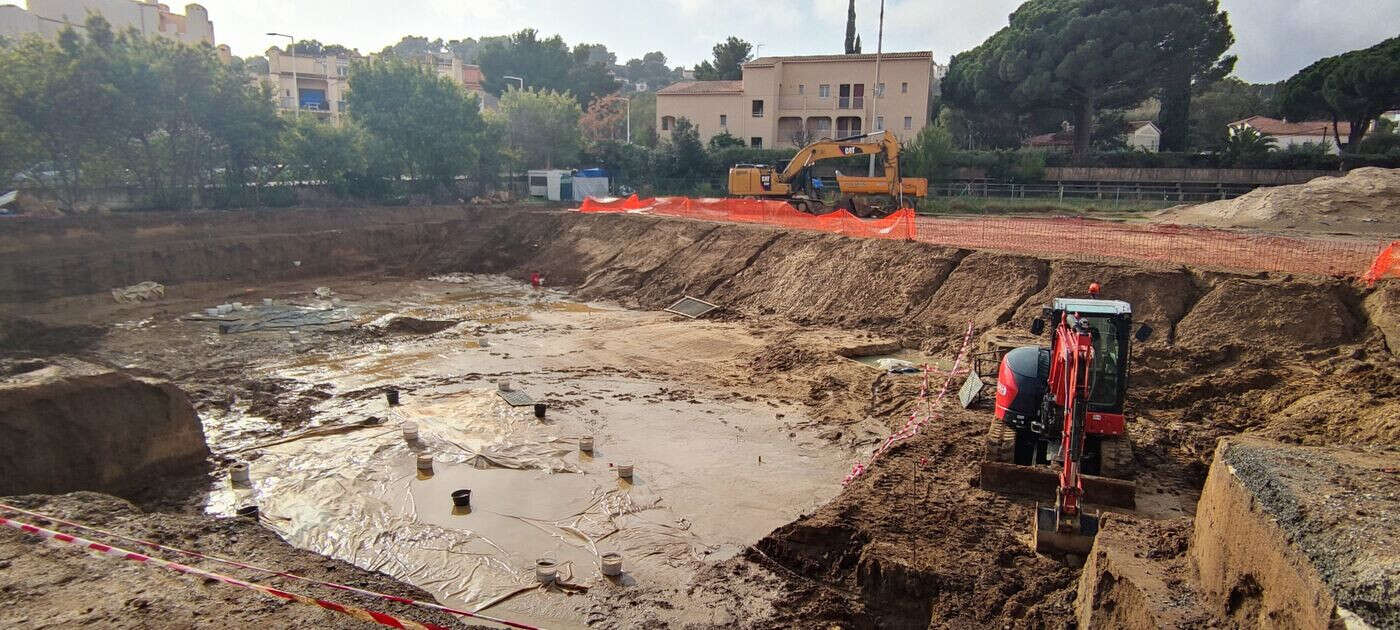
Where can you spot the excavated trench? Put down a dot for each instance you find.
(1300, 360)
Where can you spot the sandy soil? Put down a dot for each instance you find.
(45, 585)
(914, 542)
(1361, 202)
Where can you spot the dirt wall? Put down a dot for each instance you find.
(80, 427)
(75, 256)
(1249, 568)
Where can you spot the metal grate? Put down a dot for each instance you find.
(691, 307)
(971, 389)
(516, 398)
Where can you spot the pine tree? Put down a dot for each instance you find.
(852, 40)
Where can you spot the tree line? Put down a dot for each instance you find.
(103, 109)
(1090, 62)
(100, 109)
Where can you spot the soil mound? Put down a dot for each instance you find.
(1269, 315)
(76, 426)
(1364, 201)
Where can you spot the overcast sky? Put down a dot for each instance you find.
(1274, 38)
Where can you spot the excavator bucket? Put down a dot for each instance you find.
(1000, 474)
(1041, 482)
(1073, 534)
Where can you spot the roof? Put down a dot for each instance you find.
(1093, 306)
(703, 87)
(1136, 125)
(472, 74)
(889, 56)
(1057, 139)
(1275, 127)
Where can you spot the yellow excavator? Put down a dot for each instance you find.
(863, 196)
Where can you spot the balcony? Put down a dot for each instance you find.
(851, 102)
(805, 103)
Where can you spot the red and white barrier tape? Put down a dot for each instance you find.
(110, 551)
(915, 422)
(252, 567)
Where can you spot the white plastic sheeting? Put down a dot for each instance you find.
(356, 496)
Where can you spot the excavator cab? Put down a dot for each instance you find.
(1021, 396)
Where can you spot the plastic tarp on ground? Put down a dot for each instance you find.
(899, 225)
(355, 495)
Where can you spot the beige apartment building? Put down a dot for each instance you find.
(791, 101)
(47, 17)
(316, 85)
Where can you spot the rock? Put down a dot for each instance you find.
(395, 323)
(76, 426)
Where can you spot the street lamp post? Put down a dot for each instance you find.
(296, 88)
(522, 81)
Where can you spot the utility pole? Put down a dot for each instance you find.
(878, 93)
(296, 88)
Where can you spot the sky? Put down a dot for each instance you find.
(1274, 38)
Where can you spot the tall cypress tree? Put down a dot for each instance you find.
(851, 46)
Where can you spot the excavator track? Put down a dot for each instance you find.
(1001, 443)
(1116, 458)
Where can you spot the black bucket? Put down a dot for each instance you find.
(462, 498)
(392, 395)
(539, 410)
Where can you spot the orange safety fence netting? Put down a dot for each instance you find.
(899, 225)
(1386, 264)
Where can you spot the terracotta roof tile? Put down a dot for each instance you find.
(920, 54)
(1276, 127)
(703, 87)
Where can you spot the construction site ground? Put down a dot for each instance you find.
(741, 425)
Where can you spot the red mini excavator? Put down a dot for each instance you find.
(1061, 408)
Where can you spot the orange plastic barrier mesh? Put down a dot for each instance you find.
(1386, 265)
(899, 225)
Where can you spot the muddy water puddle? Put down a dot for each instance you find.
(710, 476)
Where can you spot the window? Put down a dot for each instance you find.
(852, 96)
(342, 71)
(904, 87)
(340, 106)
(879, 123)
(667, 122)
(758, 109)
(880, 91)
(824, 91)
(724, 120)
(908, 123)
(756, 142)
(801, 89)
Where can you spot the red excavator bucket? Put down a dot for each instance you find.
(1072, 534)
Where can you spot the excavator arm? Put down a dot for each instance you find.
(828, 149)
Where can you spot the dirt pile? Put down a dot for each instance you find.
(1364, 201)
(74, 426)
(57, 586)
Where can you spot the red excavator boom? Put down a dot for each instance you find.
(1065, 527)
